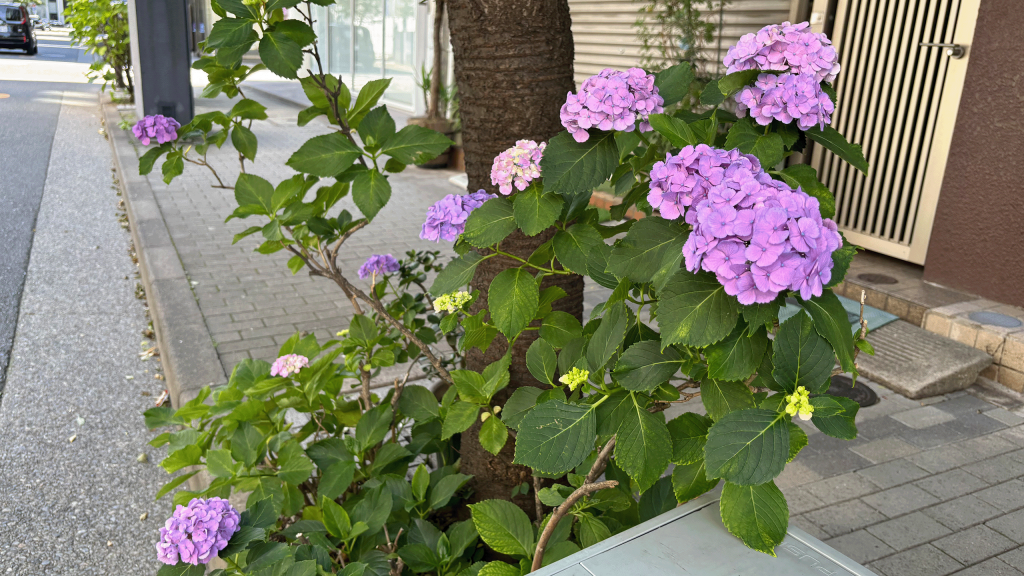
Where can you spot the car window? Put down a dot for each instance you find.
(13, 14)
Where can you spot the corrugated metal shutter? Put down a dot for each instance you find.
(605, 34)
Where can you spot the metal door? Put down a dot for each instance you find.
(898, 98)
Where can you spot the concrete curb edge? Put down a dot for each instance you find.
(187, 351)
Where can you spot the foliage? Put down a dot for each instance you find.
(102, 28)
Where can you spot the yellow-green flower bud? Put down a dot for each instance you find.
(452, 302)
(574, 378)
(484, 416)
(799, 404)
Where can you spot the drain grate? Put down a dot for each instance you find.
(873, 278)
(995, 319)
(859, 393)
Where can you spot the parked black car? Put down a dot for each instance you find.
(16, 29)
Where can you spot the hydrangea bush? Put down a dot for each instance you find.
(339, 479)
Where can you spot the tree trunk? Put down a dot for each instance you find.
(513, 68)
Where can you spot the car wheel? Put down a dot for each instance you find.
(33, 50)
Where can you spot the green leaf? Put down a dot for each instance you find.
(608, 336)
(806, 178)
(677, 131)
(247, 444)
(371, 191)
(689, 433)
(643, 446)
(420, 483)
(336, 478)
(797, 441)
(367, 99)
(652, 247)
(843, 425)
(445, 488)
(490, 223)
(711, 95)
(518, 405)
(164, 416)
(555, 437)
(460, 417)
(377, 127)
(768, 148)
(721, 398)
(326, 155)
(178, 481)
(504, 527)
(241, 539)
(470, 385)
(259, 514)
(416, 145)
(293, 465)
(658, 500)
(571, 168)
(244, 141)
(497, 568)
(373, 427)
(674, 82)
(801, 357)
(335, 518)
(592, 530)
(418, 403)
(281, 54)
(644, 367)
(757, 515)
(172, 167)
(763, 314)
(246, 109)
(150, 157)
(733, 83)
(559, 328)
(695, 310)
(541, 360)
(514, 300)
(739, 355)
(493, 435)
(297, 30)
(182, 569)
(536, 211)
(418, 557)
(457, 273)
(574, 245)
(841, 260)
(831, 139)
(626, 142)
(232, 32)
(747, 447)
(831, 321)
(690, 481)
(220, 464)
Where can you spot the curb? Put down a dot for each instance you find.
(187, 352)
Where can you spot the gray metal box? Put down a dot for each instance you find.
(691, 540)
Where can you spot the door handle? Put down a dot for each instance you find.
(952, 50)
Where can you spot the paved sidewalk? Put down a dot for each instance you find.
(71, 428)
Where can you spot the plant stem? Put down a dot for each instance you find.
(556, 516)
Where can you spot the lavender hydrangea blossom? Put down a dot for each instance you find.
(379, 264)
(786, 97)
(785, 47)
(446, 219)
(519, 165)
(757, 235)
(162, 128)
(194, 534)
(612, 100)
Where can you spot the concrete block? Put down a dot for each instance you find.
(990, 567)
(900, 500)
(811, 528)
(1011, 378)
(1007, 497)
(860, 546)
(918, 363)
(1013, 352)
(962, 512)
(991, 343)
(840, 488)
(1005, 416)
(923, 417)
(908, 531)
(845, 517)
(974, 544)
(1014, 558)
(1011, 525)
(893, 473)
(885, 449)
(986, 446)
(963, 333)
(936, 323)
(941, 459)
(924, 560)
(998, 469)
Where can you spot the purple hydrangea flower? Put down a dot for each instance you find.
(379, 264)
(786, 97)
(162, 128)
(786, 48)
(194, 534)
(612, 100)
(446, 219)
(757, 235)
(518, 166)
(288, 364)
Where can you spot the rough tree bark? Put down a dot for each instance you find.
(513, 67)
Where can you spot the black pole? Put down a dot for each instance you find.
(161, 58)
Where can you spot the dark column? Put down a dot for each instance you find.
(161, 58)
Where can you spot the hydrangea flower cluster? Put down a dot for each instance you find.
(518, 166)
(756, 234)
(612, 100)
(799, 402)
(194, 534)
(288, 364)
(379, 264)
(574, 378)
(446, 219)
(452, 302)
(162, 128)
(806, 58)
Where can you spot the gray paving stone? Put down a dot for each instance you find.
(974, 424)
(934, 436)
(965, 404)
(962, 512)
(986, 446)
(942, 458)
(860, 546)
(1014, 434)
(1005, 416)
(908, 531)
(811, 528)
(877, 428)
(1011, 525)
(973, 545)
(796, 474)
(990, 567)
(925, 560)
(844, 517)
(1007, 496)
(923, 417)
(801, 501)
(998, 469)
(900, 500)
(893, 473)
(885, 449)
(1014, 558)
(840, 488)
(951, 484)
(832, 463)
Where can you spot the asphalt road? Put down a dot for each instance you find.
(28, 121)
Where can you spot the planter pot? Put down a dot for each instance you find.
(440, 125)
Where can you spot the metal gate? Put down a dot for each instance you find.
(898, 95)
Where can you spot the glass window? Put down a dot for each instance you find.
(400, 50)
(339, 40)
(369, 42)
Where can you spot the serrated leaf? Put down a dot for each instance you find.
(368, 96)
(690, 481)
(490, 223)
(460, 417)
(572, 168)
(733, 83)
(721, 398)
(674, 82)
(445, 488)
(326, 155)
(644, 366)
(254, 195)
(831, 321)
(514, 300)
(541, 360)
(178, 481)
(418, 403)
(739, 355)
(504, 527)
(244, 141)
(689, 434)
(801, 356)
(574, 245)
(768, 148)
(608, 336)
(652, 246)
(695, 310)
(519, 405)
(536, 211)
(797, 441)
(336, 479)
(496, 568)
(831, 139)
(757, 515)
(457, 273)
(677, 131)
(377, 127)
(247, 444)
(559, 328)
(843, 425)
(493, 435)
(280, 53)
(416, 145)
(555, 437)
(643, 446)
(747, 447)
(371, 191)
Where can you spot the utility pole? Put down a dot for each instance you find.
(161, 58)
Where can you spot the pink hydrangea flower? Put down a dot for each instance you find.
(288, 364)
(517, 166)
(612, 100)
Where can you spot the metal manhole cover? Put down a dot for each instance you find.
(859, 393)
(995, 319)
(877, 278)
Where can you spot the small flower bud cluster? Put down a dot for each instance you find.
(799, 402)
(379, 264)
(517, 166)
(162, 128)
(612, 100)
(574, 378)
(757, 235)
(446, 219)
(288, 364)
(194, 534)
(452, 302)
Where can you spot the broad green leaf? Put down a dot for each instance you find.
(420, 483)
(652, 246)
(445, 488)
(150, 157)
(739, 355)
(674, 82)
(536, 211)
(470, 385)
(677, 131)
(254, 195)
(416, 145)
(259, 514)
(240, 540)
(336, 479)
(247, 109)
(689, 433)
(757, 515)
(541, 360)
(493, 435)
(232, 32)
(371, 191)
(373, 427)
(830, 320)
(335, 518)
(559, 328)
(496, 568)
(831, 138)
(460, 417)
(490, 223)
(220, 464)
(841, 260)
(626, 142)
(281, 54)
(591, 530)
(293, 465)
(270, 489)
(721, 398)
(418, 403)
(597, 266)
(768, 148)
(519, 405)
(608, 336)
(643, 366)
(690, 481)
(711, 95)
(801, 357)
(367, 99)
(574, 245)
(733, 83)
(572, 168)
(806, 178)
(842, 426)
(643, 447)
(177, 481)
(514, 299)
(658, 500)
(247, 444)
(555, 437)
(376, 127)
(419, 557)
(297, 30)
(457, 273)
(763, 314)
(695, 310)
(183, 569)
(244, 141)
(504, 527)
(747, 447)
(326, 155)
(797, 441)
